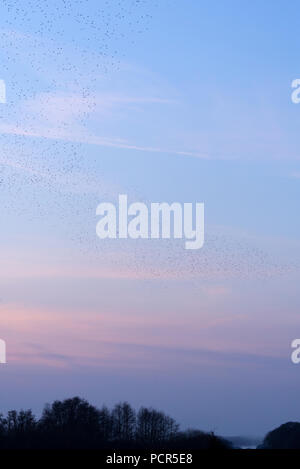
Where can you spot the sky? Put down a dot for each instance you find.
(163, 101)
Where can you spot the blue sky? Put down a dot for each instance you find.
(164, 101)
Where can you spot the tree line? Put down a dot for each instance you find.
(75, 423)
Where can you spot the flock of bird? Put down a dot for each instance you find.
(47, 45)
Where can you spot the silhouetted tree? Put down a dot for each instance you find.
(196, 439)
(74, 423)
(287, 436)
(20, 422)
(124, 422)
(106, 423)
(2, 425)
(18, 429)
(71, 422)
(154, 426)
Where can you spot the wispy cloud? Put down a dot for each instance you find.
(66, 116)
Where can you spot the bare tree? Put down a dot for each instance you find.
(155, 426)
(124, 421)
